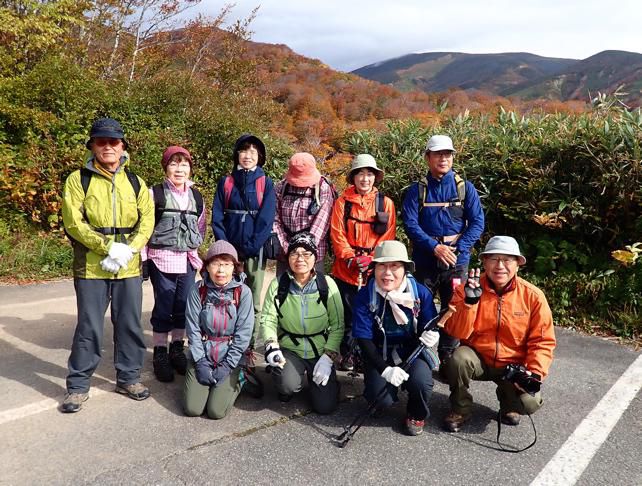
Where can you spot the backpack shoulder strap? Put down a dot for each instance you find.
(380, 204)
(461, 188)
(237, 295)
(227, 190)
(85, 178)
(159, 201)
(422, 187)
(133, 180)
(322, 287)
(347, 212)
(282, 292)
(198, 197)
(260, 189)
(202, 291)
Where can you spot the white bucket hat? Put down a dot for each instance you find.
(364, 161)
(504, 245)
(439, 142)
(393, 251)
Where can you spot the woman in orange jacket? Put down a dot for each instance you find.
(362, 217)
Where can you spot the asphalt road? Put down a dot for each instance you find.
(588, 432)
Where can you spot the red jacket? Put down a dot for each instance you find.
(516, 327)
(357, 234)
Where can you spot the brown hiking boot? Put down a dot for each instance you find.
(73, 402)
(135, 391)
(454, 421)
(510, 418)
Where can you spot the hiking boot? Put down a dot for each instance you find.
(135, 391)
(177, 357)
(346, 363)
(510, 418)
(252, 384)
(413, 427)
(285, 398)
(162, 368)
(454, 421)
(73, 402)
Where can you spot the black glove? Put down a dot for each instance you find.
(204, 372)
(221, 372)
(472, 290)
(145, 270)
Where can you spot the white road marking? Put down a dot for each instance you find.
(570, 461)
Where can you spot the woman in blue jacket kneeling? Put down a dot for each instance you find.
(219, 325)
(389, 316)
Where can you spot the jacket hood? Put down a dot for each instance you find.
(91, 160)
(240, 176)
(351, 194)
(253, 139)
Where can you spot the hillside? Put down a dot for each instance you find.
(524, 75)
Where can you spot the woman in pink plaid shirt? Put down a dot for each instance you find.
(172, 258)
(303, 203)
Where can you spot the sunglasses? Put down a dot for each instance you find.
(101, 142)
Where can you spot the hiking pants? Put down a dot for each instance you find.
(418, 385)
(254, 268)
(289, 380)
(92, 298)
(348, 292)
(216, 401)
(441, 281)
(466, 365)
(170, 297)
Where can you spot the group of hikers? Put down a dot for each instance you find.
(376, 306)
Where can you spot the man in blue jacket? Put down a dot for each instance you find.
(444, 218)
(243, 211)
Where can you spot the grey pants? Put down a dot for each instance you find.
(466, 365)
(217, 400)
(92, 298)
(289, 380)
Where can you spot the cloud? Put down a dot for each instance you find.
(350, 34)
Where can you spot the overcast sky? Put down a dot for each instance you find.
(349, 34)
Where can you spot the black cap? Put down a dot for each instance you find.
(107, 128)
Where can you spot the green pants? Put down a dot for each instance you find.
(255, 271)
(466, 365)
(217, 400)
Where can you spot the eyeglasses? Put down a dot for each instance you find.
(223, 265)
(182, 165)
(306, 255)
(101, 142)
(443, 153)
(392, 266)
(506, 260)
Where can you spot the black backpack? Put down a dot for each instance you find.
(160, 201)
(284, 290)
(378, 227)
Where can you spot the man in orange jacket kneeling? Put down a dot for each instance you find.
(506, 330)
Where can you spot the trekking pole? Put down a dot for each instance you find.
(348, 431)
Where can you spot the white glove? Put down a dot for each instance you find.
(394, 375)
(429, 338)
(108, 264)
(121, 252)
(274, 356)
(322, 370)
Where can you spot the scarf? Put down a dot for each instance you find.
(396, 298)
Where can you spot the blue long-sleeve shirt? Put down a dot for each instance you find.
(423, 224)
(246, 232)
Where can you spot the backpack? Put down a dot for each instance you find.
(85, 180)
(282, 294)
(314, 206)
(461, 194)
(378, 226)
(284, 290)
(160, 202)
(202, 291)
(229, 185)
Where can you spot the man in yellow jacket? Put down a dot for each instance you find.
(506, 330)
(109, 215)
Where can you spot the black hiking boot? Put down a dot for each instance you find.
(177, 357)
(162, 368)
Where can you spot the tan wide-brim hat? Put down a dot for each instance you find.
(393, 251)
(365, 161)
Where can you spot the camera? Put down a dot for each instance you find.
(517, 373)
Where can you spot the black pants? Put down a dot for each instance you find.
(419, 387)
(441, 281)
(348, 293)
(170, 297)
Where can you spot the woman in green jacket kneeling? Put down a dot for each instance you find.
(302, 327)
